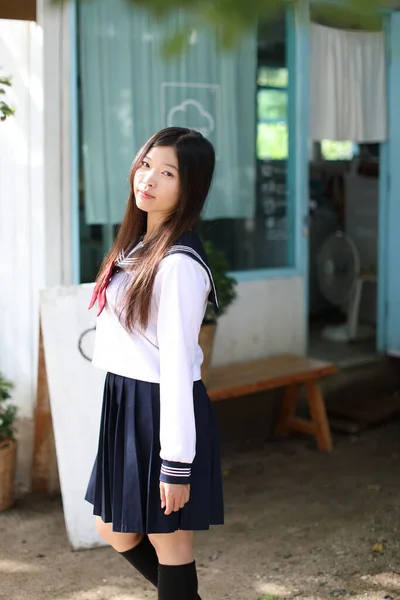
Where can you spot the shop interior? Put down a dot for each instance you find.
(343, 250)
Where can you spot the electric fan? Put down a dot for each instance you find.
(338, 267)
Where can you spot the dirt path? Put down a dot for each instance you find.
(299, 524)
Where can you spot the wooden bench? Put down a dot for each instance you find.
(284, 371)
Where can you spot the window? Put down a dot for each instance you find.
(272, 110)
(266, 240)
(331, 150)
(239, 99)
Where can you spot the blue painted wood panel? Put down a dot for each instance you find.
(391, 216)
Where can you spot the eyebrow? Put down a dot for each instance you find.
(166, 164)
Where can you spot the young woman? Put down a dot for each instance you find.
(157, 475)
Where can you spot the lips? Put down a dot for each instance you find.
(145, 195)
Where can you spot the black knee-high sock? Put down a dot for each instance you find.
(177, 582)
(144, 558)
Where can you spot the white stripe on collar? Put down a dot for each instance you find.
(128, 261)
(179, 248)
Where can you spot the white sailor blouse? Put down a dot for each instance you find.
(168, 351)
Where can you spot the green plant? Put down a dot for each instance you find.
(231, 19)
(5, 109)
(8, 411)
(224, 283)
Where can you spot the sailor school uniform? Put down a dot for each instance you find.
(157, 422)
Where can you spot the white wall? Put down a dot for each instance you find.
(34, 187)
(34, 198)
(21, 208)
(268, 317)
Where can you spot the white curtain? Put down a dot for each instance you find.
(128, 91)
(347, 85)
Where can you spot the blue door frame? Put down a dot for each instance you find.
(299, 167)
(389, 238)
(384, 190)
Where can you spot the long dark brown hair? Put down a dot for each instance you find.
(196, 161)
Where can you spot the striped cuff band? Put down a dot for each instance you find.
(175, 472)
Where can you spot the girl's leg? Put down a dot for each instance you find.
(177, 576)
(121, 542)
(173, 548)
(134, 547)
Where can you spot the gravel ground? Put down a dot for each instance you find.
(299, 524)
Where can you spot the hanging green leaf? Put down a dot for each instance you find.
(177, 43)
(5, 109)
(232, 18)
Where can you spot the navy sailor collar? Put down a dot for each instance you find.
(191, 245)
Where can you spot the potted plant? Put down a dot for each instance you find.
(5, 109)
(226, 292)
(8, 446)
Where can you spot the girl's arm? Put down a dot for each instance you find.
(182, 288)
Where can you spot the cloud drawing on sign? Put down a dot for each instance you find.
(192, 114)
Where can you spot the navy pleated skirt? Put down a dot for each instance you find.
(124, 484)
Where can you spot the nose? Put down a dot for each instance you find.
(148, 179)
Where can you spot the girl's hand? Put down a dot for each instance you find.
(173, 496)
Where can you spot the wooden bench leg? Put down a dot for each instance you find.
(288, 409)
(317, 426)
(318, 416)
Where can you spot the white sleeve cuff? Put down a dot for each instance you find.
(175, 472)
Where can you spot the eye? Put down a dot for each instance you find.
(145, 164)
(168, 174)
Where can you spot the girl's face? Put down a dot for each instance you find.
(156, 182)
